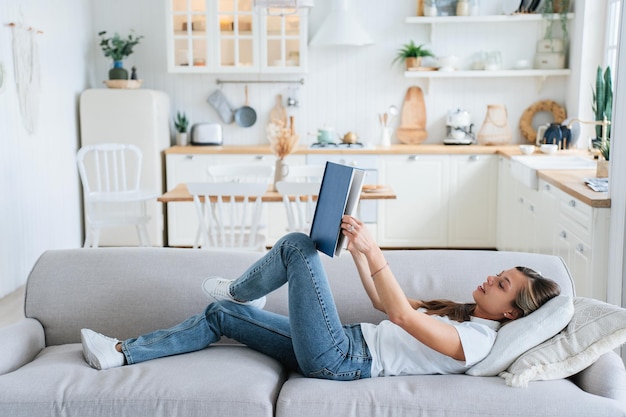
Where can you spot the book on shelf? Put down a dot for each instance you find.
(339, 194)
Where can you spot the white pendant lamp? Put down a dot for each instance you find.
(341, 28)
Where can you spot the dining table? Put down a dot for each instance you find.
(369, 192)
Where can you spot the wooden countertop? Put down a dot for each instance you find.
(181, 194)
(569, 181)
(572, 182)
(392, 150)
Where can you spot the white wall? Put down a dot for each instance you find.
(346, 87)
(40, 200)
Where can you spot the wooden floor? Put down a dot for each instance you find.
(12, 307)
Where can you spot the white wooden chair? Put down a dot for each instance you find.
(229, 214)
(299, 199)
(305, 173)
(258, 173)
(111, 178)
(299, 190)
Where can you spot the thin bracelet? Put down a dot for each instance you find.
(380, 269)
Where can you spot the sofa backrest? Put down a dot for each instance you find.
(125, 292)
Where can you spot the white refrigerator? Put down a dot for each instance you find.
(140, 117)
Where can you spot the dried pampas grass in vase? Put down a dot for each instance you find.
(283, 140)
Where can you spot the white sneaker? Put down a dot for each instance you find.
(218, 289)
(99, 350)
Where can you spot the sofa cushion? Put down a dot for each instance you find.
(438, 396)
(518, 336)
(217, 381)
(595, 329)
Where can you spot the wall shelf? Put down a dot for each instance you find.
(527, 17)
(539, 75)
(488, 74)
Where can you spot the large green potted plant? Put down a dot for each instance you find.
(602, 107)
(412, 55)
(118, 48)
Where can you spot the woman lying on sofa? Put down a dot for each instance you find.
(420, 337)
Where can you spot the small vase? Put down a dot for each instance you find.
(280, 172)
(602, 169)
(118, 72)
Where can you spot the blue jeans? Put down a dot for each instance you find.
(311, 340)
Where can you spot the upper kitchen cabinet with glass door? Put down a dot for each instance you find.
(233, 36)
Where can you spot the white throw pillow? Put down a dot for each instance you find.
(516, 337)
(595, 329)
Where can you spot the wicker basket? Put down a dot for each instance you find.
(129, 84)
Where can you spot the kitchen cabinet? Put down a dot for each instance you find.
(550, 221)
(231, 36)
(505, 223)
(580, 237)
(181, 217)
(472, 202)
(443, 201)
(418, 217)
(486, 28)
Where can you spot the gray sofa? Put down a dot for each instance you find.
(124, 292)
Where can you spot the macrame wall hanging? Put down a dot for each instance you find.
(27, 76)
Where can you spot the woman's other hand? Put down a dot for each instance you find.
(359, 237)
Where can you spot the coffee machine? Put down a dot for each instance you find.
(459, 128)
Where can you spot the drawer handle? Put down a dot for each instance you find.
(531, 208)
(563, 234)
(412, 158)
(572, 203)
(190, 157)
(259, 157)
(547, 187)
(521, 200)
(474, 158)
(580, 248)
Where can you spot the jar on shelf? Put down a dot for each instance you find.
(463, 8)
(430, 8)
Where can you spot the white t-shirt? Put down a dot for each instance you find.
(396, 352)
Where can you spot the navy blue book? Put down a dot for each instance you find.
(339, 194)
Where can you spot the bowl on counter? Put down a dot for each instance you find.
(527, 149)
(549, 148)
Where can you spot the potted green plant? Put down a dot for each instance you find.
(602, 107)
(550, 9)
(118, 48)
(181, 123)
(412, 55)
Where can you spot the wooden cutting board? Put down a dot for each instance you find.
(278, 112)
(412, 128)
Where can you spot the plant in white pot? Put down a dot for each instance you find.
(181, 123)
(118, 48)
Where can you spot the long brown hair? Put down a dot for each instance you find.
(530, 297)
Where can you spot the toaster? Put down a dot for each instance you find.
(206, 134)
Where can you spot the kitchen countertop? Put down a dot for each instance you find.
(303, 150)
(572, 182)
(569, 181)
